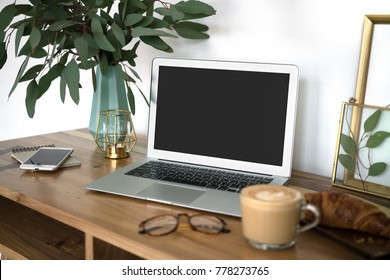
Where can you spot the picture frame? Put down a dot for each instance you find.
(373, 88)
(362, 161)
(375, 28)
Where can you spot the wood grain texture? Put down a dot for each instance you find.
(114, 220)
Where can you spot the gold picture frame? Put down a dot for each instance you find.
(362, 160)
(357, 109)
(365, 53)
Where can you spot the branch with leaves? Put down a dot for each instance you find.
(355, 150)
(62, 37)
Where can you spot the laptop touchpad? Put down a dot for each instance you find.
(169, 193)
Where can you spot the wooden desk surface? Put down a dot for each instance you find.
(114, 219)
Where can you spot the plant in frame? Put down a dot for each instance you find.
(358, 150)
(58, 38)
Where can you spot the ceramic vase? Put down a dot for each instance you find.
(110, 94)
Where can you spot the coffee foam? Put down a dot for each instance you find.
(274, 195)
(271, 193)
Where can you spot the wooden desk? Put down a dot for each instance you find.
(52, 216)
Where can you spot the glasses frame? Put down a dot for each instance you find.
(177, 217)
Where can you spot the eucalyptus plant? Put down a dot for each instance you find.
(58, 38)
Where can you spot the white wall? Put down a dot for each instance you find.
(322, 37)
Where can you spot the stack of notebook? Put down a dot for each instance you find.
(23, 153)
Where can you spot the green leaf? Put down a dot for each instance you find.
(377, 169)
(144, 31)
(93, 79)
(132, 6)
(105, 15)
(6, 16)
(20, 74)
(135, 74)
(31, 73)
(91, 41)
(51, 75)
(130, 97)
(146, 21)
(130, 55)
(69, 3)
(192, 25)
(117, 54)
(372, 121)
(157, 43)
(3, 54)
(104, 65)
(172, 12)
(38, 53)
(51, 57)
(18, 36)
(82, 49)
(25, 50)
(60, 25)
(163, 11)
(35, 37)
(376, 139)
(191, 30)
(24, 9)
(89, 65)
(118, 33)
(158, 23)
(347, 162)
(373, 141)
(100, 39)
(195, 7)
(348, 145)
(132, 19)
(71, 74)
(96, 26)
(143, 95)
(31, 97)
(62, 40)
(63, 87)
(64, 58)
(103, 43)
(128, 78)
(382, 134)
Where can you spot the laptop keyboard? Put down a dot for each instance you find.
(197, 176)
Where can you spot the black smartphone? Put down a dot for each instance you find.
(47, 159)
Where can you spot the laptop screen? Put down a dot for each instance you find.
(223, 114)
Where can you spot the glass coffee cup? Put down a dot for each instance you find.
(271, 216)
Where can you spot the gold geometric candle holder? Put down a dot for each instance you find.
(115, 134)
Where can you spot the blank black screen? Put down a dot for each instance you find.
(47, 157)
(238, 115)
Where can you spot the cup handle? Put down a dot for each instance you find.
(317, 217)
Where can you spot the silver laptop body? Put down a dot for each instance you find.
(218, 115)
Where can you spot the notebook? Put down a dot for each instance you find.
(227, 117)
(23, 153)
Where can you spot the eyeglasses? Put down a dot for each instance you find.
(165, 224)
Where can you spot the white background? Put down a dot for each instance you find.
(322, 37)
(278, 269)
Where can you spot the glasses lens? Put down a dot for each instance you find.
(207, 224)
(160, 225)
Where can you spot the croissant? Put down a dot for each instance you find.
(342, 210)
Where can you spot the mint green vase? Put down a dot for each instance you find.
(110, 94)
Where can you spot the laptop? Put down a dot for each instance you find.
(213, 121)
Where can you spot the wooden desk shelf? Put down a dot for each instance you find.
(47, 215)
(28, 234)
(36, 236)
